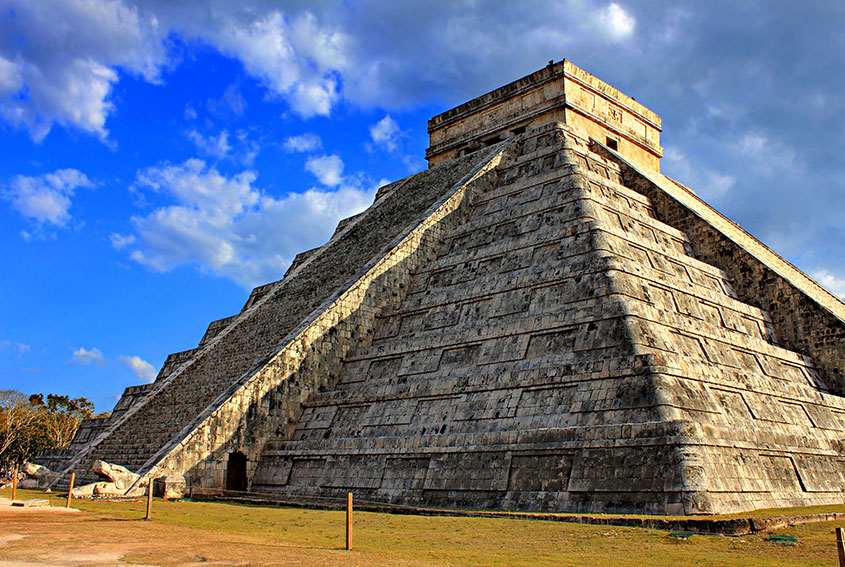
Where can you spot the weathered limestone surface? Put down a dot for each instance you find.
(539, 321)
(465, 395)
(567, 351)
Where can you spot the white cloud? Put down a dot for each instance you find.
(766, 155)
(708, 184)
(91, 357)
(71, 55)
(615, 22)
(311, 55)
(18, 348)
(327, 169)
(67, 61)
(836, 284)
(202, 188)
(246, 150)
(227, 226)
(146, 372)
(214, 146)
(752, 144)
(46, 198)
(11, 80)
(313, 98)
(119, 242)
(231, 103)
(303, 143)
(385, 133)
(223, 146)
(294, 56)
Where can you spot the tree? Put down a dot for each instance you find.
(29, 424)
(60, 417)
(17, 423)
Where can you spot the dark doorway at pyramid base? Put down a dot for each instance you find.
(236, 478)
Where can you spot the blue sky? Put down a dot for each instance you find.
(160, 158)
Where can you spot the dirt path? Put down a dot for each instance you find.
(53, 538)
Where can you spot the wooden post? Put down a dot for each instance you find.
(70, 489)
(348, 520)
(149, 500)
(15, 483)
(840, 546)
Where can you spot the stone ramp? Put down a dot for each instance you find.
(246, 344)
(566, 351)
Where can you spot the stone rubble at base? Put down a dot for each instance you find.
(540, 320)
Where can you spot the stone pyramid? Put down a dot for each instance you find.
(540, 320)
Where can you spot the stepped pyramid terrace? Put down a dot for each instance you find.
(540, 320)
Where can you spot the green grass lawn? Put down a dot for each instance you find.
(478, 541)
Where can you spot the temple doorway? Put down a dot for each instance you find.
(236, 472)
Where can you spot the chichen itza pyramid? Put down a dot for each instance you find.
(540, 320)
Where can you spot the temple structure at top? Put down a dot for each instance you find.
(560, 92)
